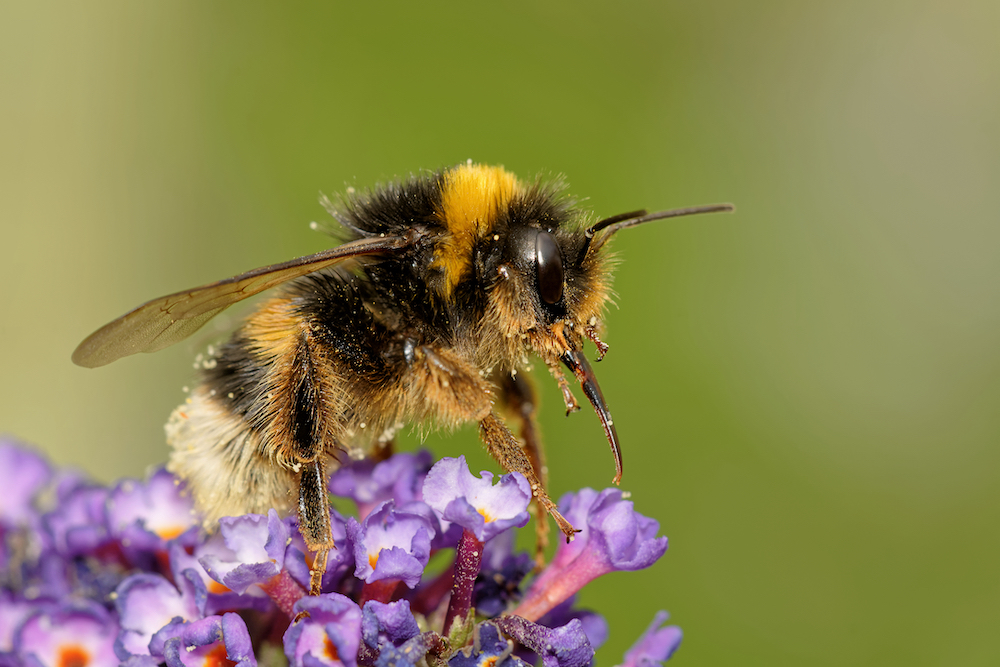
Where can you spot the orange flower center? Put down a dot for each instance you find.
(73, 656)
(217, 588)
(331, 650)
(217, 657)
(170, 532)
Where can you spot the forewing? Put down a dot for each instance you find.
(162, 322)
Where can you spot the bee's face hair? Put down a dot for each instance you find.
(544, 288)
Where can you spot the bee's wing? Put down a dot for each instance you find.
(162, 322)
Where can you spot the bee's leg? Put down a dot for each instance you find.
(314, 519)
(518, 396)
(504, 447)
(461, 394)
(568, 398)
(306, 389)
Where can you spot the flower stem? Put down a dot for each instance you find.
(381, 591)
(430, 595)
(284, 591)
(468, 561)
(548, 593)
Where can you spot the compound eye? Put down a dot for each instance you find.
(550, 268)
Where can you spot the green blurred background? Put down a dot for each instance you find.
(808, 392)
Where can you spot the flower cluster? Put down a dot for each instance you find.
(91, 575)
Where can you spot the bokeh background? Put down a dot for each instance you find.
(808, 392)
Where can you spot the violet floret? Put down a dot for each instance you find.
(330, 634)
(83, 631)
(253, 551)
(475, 503)
(23, 475)
(146, 515)
(656, 644)
(210, 641)
(390, 544)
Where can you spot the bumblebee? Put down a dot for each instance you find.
(447, 284)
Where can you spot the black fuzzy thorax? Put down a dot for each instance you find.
(371, 313)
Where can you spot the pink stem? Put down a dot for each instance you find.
(284, 591)
(468, 561)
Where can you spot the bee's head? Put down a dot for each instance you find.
(546, 286)
(549, 275)
(544, 273)
(551, 283)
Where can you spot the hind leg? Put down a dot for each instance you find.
(314, 519)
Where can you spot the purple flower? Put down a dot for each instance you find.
(36, 572)
(252, 550)
(594, 625)
(145, 515)
(91, 578)
(488, 649)
(330, 635)
(618, 536)
(566, 646)
(391, 635)
(23, 474)
(614, 537)
(219, 597)
(210, 642)
(146, 603)
(407, 654)
(369, 484)
(475, 503)
(655, 645)
(81, 633)
(576, 508)
(387, 622)
(13, 611)
(174, 587)
(78, 525)
(390, 545)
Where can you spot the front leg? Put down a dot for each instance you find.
(504, 447)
